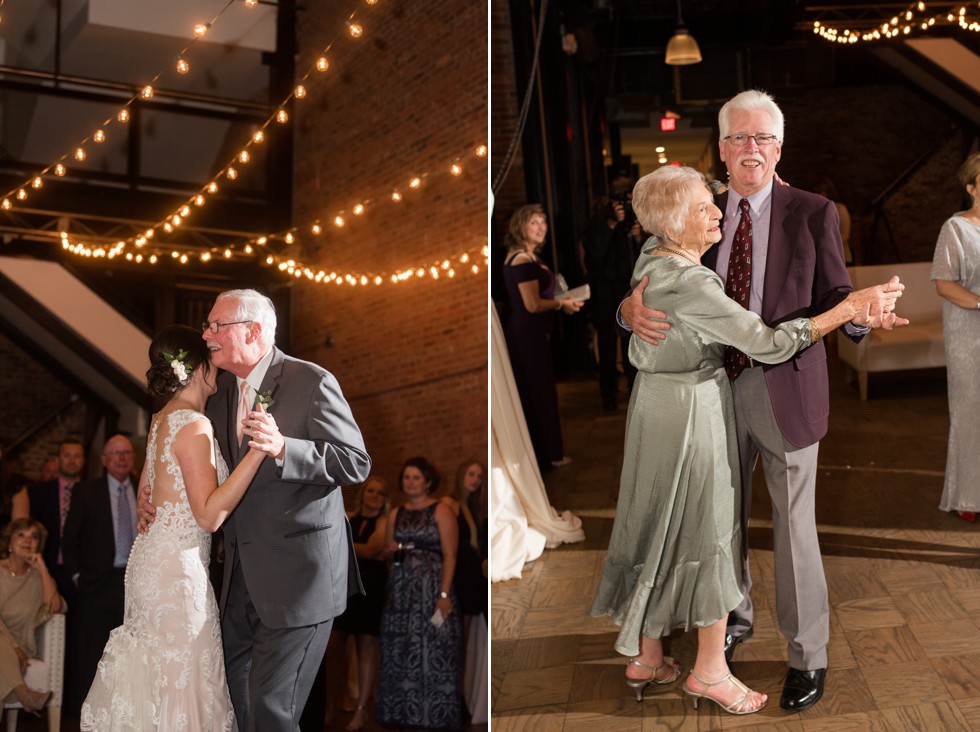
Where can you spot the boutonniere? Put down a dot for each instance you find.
(265, 399)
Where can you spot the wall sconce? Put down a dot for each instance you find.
(682, 49)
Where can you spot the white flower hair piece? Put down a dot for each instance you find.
(181, 370)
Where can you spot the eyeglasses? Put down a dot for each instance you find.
(114, 453)
(740, 140)
(214, 326)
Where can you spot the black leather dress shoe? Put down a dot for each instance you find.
(803, 689)
(733, 640)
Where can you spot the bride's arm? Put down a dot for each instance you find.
(210, 503)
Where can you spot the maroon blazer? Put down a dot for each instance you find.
(805, 276)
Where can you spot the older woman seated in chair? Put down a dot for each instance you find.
(28, 597)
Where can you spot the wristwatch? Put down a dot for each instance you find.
(444, 595)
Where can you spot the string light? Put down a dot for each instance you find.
(298, 270)
(98, 136)
(182, 66)
(903, 24)
(201, 28)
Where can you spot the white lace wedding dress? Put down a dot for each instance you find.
(164, 669)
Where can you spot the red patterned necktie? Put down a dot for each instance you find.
(739, 281)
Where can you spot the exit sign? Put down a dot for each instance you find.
(667, 124)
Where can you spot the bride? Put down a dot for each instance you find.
(163, 669)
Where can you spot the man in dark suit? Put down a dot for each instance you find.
(781, 410)
(98, 536)
(288, 546)
(50, 500)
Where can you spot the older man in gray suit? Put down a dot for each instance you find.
(289, 564)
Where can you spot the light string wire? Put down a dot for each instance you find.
(916, 17)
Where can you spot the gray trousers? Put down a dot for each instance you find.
(791, 476)
(270, 670)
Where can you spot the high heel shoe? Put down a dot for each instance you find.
(736, 707)
(638, 685)
(970, 516)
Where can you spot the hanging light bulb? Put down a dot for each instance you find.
(185, 211)
(358, 209)
(682, 49)
(300, 91)
(201, 28)
(99, 136)
(355, 30)
(258, 137)
(123, 115)
(198, 200)
(147, 92)
(455, 169)
(6, 205)
(415, 183)
(21, 195)
(37, 183)
(282, 116)
(182, 66)
(251, 3)
(338, 221)
(316, 229)
(396, 196)
(481, 152)
(212, 187)
(231, 173)
(243, 156)
(289, 238)
(59, 170)
(322, 64)
(79, 153)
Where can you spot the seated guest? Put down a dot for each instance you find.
(362, 619)
(674, 558)
(28, 597)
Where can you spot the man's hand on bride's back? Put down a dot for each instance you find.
(145, 511)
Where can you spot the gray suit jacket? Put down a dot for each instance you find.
(290, 532)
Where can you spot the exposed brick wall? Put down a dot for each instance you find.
(30, 393)
(863, 138)
(404, 100)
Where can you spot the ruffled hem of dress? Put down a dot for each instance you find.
(703, 593)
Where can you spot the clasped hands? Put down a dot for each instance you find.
(876, 305)
(262, 428)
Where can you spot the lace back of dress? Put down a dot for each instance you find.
(166, 478)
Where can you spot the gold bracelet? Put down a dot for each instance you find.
(814, 331)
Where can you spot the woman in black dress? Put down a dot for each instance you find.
(362, 619)
(530, 291)
(469, 503)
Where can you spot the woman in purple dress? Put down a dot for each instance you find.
(531, 293)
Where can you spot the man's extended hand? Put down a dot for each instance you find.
(647, 323)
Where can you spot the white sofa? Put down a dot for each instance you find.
(918, 345)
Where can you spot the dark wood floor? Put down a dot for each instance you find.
(904, 582)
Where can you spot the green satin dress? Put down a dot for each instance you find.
(674, 558)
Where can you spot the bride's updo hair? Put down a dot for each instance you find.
(161, 381)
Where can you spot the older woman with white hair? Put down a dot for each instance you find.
(674, 558)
